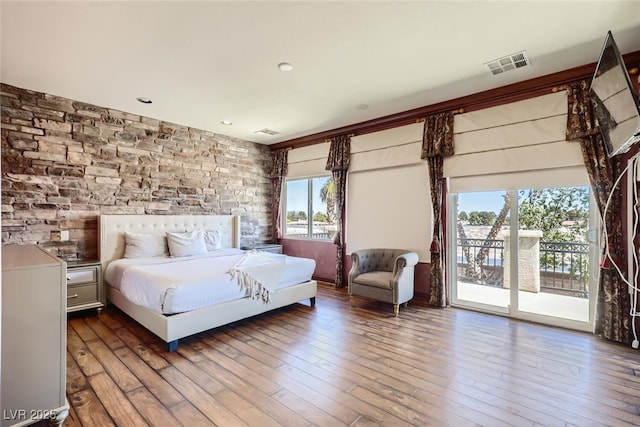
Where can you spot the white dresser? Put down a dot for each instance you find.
(34, 336)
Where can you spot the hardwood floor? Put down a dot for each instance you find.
(334, 364)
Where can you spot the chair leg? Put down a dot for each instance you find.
(396, 309)
(406, 304)
(352, 300)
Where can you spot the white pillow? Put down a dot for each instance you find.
(213, 240)
(144, 245)
(187, 243)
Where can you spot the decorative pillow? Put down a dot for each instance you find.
(187, 243)
(213, 240)
(139, 245)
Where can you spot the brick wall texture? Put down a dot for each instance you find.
(65, 162)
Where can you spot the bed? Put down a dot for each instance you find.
(171, 324)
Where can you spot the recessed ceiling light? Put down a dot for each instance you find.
(226, 122)
(362, 106)
(144, 100)
(285, 66)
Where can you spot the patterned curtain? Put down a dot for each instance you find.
(278, 175)
(338, 164)
(613, 300)
(437, 143)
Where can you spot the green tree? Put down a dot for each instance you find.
(482, 218)
(462, 216)
(562, 214)
(319, 217)
(296, 216)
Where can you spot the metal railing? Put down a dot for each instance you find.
(302, 230)
(485, 272)
(564, 267)
(321, 236)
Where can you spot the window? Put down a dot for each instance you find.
(310, 208)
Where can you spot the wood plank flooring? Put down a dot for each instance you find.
(333, 365)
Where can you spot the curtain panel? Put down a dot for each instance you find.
(437, 143)
(278, 175)
(338, 163)
(613, 300)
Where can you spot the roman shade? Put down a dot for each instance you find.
(516, 145)
(386, 201)
(389, 148)
(308, 162)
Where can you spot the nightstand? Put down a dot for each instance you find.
(84, 285)
(274, 249)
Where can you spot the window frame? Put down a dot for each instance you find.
(310, 221)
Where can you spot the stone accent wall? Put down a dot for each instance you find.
(65, 162)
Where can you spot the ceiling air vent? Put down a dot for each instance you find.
(508, 63)
(267, 131)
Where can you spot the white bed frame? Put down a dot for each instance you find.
(171, 328)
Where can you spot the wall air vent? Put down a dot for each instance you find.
(267, 131)
(508, 63)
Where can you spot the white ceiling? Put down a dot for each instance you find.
(203, 62)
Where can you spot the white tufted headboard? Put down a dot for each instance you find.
(111, 230)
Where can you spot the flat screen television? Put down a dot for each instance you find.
(614, 100)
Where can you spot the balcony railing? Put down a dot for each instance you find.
(564, 266)
(321, 230)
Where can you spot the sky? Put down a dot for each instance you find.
(297, 195)
(485, 201)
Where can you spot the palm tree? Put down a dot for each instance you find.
(328, 196)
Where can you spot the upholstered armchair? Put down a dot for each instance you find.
(384, 275)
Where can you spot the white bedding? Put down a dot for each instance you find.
(174, 285)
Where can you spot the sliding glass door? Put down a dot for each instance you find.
(529, 253)
(479, 276)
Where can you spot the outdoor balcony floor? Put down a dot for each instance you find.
(543, 303)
